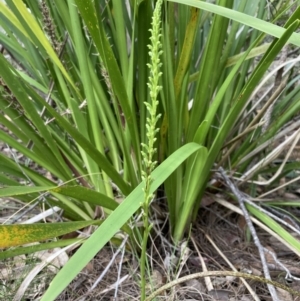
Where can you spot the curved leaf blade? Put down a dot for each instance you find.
(253, 22)
(115, 221)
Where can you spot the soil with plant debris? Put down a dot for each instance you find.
(219, 241)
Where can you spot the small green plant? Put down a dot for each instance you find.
(74, 83)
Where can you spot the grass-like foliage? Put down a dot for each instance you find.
(83, 84)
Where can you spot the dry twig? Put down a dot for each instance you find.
(241, 199)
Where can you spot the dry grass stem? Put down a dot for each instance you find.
(254, 295)
(219, 273)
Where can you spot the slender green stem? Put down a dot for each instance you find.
(148, 147)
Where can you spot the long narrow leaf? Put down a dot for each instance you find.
(253, 22)
(15, 235)
(114, 222)
(87, 195)
(38, 247)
